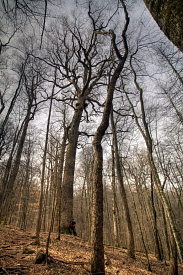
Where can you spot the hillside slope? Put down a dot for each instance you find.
(70, 255)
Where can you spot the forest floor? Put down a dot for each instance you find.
(70, 255)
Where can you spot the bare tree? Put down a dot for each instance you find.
(81, 66)
(97, 263)
(149, 144)
(130, 237)
(11, 106)
(31, 109)
(39, 218)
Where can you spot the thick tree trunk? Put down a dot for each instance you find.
(68, 178)
(169, 16)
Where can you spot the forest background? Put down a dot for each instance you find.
(64, 68)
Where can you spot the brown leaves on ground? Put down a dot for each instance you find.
(70, 255)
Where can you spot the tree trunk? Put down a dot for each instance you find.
(158, 253)
(7, 172)
(68, 178)
(173, 257)
(25, 195)
(97, 262)
(114, 203)
(140, 227)
(16, 94)
(130, 237)
(6, 200)
(39, 218)
(169, 16)
(59, 184)
(148, 140)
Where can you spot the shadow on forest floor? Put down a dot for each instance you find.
(70, 255)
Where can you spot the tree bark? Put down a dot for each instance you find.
(8, 186)
(158, 253)
(68, 178)
(115, 211)
(130, 237)
(169, 17)
(59, 183)
(97, 262)
(148, 140)
(39, 218)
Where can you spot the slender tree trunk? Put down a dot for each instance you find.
(167, 209)
(140, 228)
(97, 262)
(114, 203)
(53, 208)
(155, 229)
(6, 200)
(46, 200)
(130, 237)
(152, 213)
(15, 96)
(25, 195)
(8, 168)
(89, 202)
(148, 140)
(173, 257)
(59, 185)
(39, 218)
